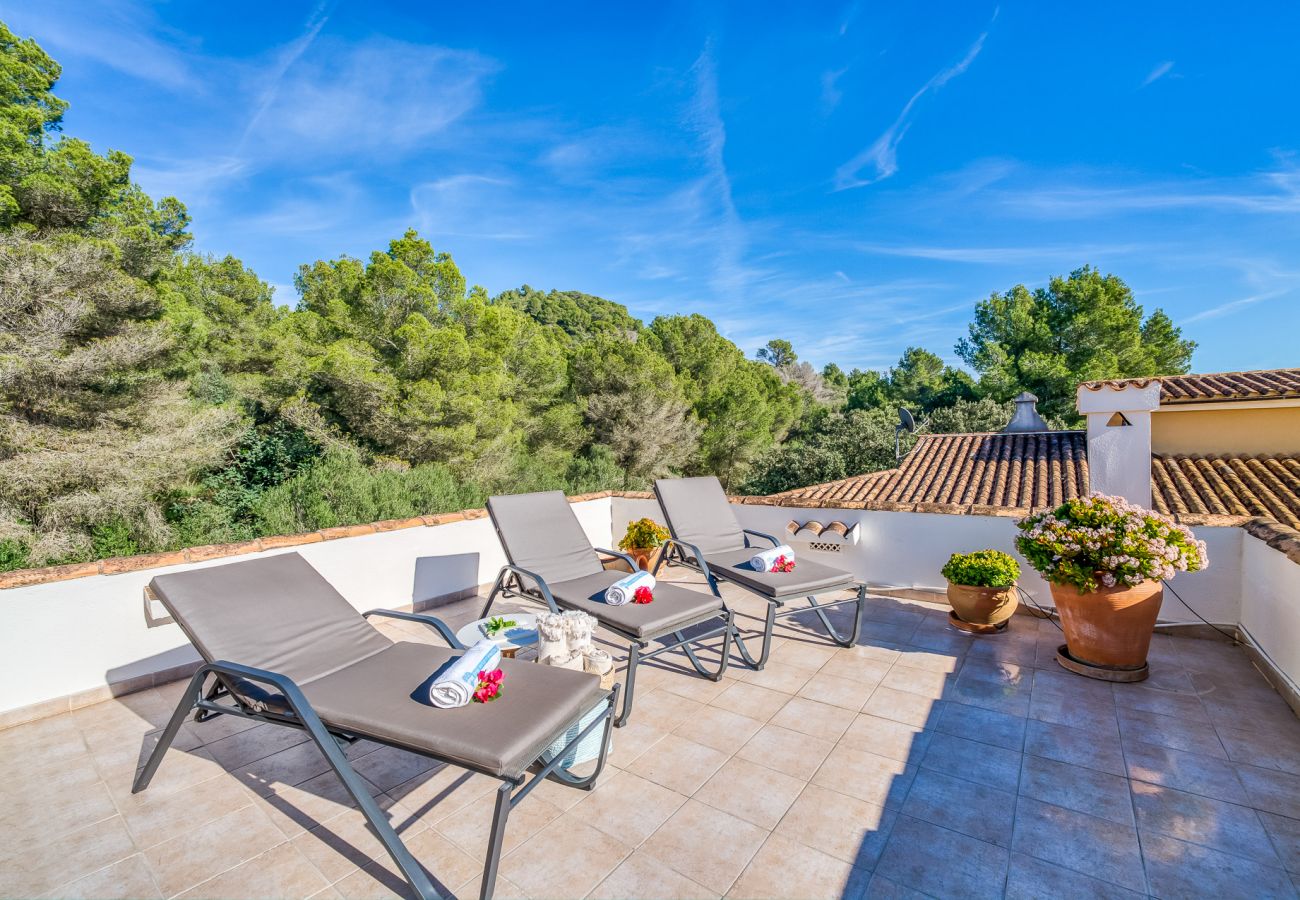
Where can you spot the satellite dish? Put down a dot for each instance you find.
(905, 423)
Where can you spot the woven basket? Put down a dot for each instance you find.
(587, 749)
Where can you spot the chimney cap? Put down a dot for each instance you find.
(1026, 418)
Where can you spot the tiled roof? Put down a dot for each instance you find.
(1186, 485)
(1266, 384)
(981, 473)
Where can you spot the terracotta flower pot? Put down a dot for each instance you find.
(1109, 626)
(645, 557)
(982, 605)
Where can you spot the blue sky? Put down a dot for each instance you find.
(852, 176)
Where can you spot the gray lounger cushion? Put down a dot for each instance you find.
(807, 578)
(698, 513)
(386, 697)
(673, 606)
(540, 533)
(280, 614)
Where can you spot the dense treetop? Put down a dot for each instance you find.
(152, 397)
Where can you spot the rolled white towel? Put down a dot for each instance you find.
(455, 686)
(762, 562)
(622, 591)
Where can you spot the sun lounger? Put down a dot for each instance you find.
(552, 561)
(707, 538)
(281, 645)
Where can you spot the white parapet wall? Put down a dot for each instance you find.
(907, 550)
(1270, 610)
(75, 638)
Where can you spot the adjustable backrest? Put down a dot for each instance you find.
(540, 533)
(698, 513)
(275, 613)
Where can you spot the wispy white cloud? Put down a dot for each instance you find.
(285, 59)
(379, 96)
(831, 93)
(1009, 255)
(471, 206)
(880, 159)
(1158, 72)
(195, 180)
(123, 35)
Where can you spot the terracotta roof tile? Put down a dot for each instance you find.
(1265, 384)
(959, 471)
(1188, 485)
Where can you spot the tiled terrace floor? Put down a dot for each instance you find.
(922, 762)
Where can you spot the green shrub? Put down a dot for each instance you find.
(983, 568)
(113, 539)
(643, 534)
(13, 555)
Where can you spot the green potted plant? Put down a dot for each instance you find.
(1105, 559)
(982, 587)
(644, 541)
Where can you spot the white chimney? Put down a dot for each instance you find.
(1119, 438)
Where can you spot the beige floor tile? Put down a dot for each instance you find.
(153, 818)
(471, 826)
(589, 856)
(628, 807)
(821, 720)
(885, 737)
(388, 767)
(776, 676)
(298, 808)
(849, 666)
(790, 752)
(663, 709)
(719, 728)
(707, 845)
(299, 763)
(633, 739)
(77, 853)
(923, 682)
(901, 706)
(928, 659)
(180, 770)
(437, 793)
(445, 863)
(253, 744)
(785, 870)
(346, 842)
(678, 764)
(642, 877)
(875, 779)
(845, 827)
(843, 692)
(129, 877)
(754, 793)
(803, 654)
(693, 687)
(281, 872)
(192, 858)
(751, 701)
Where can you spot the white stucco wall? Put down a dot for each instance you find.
(67, 637)
(1270, 605)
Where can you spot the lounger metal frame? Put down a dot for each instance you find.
(201, 696)
(677, 552)
(513, 581)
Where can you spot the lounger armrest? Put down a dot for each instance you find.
(689, 551)
(433, 622)
(766, 537)
(535, 579)
(627, 558)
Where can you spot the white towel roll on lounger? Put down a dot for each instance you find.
(455, 686)
(624, 589)
(762, 562)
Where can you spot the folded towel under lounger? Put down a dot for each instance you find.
(455, 686)
(762, 562)
(624, 589)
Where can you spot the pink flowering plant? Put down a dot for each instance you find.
(1100, 541)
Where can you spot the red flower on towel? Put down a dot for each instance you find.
(642, 594)
(489, 686)
(782, 564)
